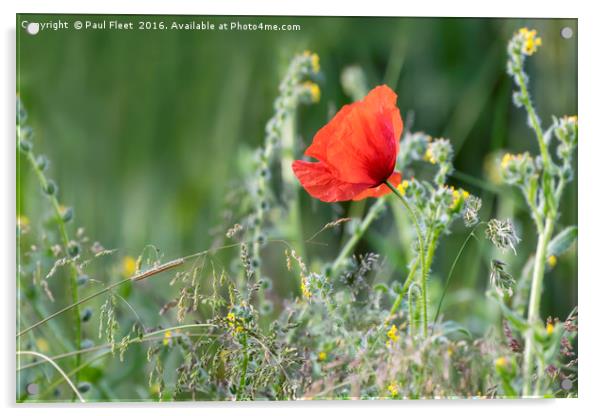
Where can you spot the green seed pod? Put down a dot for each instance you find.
(51, 188)
(73, 249)
(84, 387)
(21, 112)
(82, 279)
(42, 162)
(86, 343)
(86, 315)
(266, 283)
(25, 145)
(266, 307)
(67, 214)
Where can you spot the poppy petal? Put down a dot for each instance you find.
(361, 142)
(319, 182)
(380, 190)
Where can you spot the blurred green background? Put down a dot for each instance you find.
(148, 130)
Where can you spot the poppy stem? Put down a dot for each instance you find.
(414, 219)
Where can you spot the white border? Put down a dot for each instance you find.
(590, 201)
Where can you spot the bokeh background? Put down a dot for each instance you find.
(148, 130)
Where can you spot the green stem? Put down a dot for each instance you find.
(422, 253)
(243, 374)
(65, 238)
(534, 120)
(404, 289)
(534, 303)
(432, 244)
(451, 271)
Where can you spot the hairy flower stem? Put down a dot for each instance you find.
(404, 289)
(421, 255)
(534, 303)
(551, 198)
(425, 270)
(73, 272)
(243, 373)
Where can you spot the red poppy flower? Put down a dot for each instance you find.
(356, 151)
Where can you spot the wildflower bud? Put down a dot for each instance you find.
(21, 112)
(255, 263)
(266, 283)
(439, 151)
(309, 92)
(42, 162)
(84, 387)
(67, 214)
(264, 173)
(502, 234)
(73, 248)
(261, 240)
(26, 133)
(519, 99)
(518, 169)
(82, 279)
(86, 315)
(354, 82)
(50, 188)
(266, 308)
(25, 145)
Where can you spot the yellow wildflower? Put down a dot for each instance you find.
(166, 337)
(322, 356)
(304, 289)
(530, 41)
(401, 188)
(501, 362)
(457, 197)
(428, 156)
(315, 60)
(392, 334)
(129, 266)
(42, 345)
(22, 221)
(506, 159)
(549, 328)
(552, 261)
(393, 389)
(239, 329)
(314, 90)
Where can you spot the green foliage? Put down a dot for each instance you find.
(292, 298)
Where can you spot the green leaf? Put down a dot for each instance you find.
(452, 326)
(563, 241)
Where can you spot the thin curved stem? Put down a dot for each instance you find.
(59, 369)
(451, 270)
